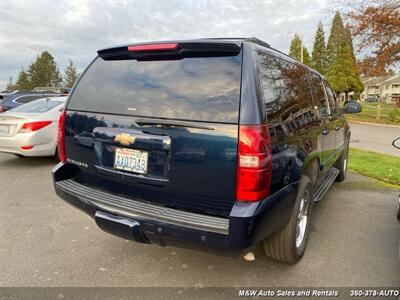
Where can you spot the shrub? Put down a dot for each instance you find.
(394, 116)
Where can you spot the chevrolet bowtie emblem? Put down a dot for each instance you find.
(124, 139)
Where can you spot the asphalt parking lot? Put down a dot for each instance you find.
(45, 242)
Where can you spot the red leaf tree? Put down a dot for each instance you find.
(376, 26)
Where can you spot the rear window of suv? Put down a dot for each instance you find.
(201, 89)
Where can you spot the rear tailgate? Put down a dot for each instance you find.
(162, 131)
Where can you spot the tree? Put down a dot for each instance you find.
(70, 75)
(343, 75)
(367, 67)
(295, 50)
(44, 71)
(11, 86)
(319, 59)
(336, 37)
(376, 25)
(342, 72)
(23, 81)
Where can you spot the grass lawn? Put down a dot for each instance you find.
(368, 113)
(380, 166)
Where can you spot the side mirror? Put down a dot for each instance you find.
(396, 143)
(352, 107)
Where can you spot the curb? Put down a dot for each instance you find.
(383, 182)
(374, 124)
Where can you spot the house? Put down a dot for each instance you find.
(383, 88)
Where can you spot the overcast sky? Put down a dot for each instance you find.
(77, 29)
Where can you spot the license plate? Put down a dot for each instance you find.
(4, 129)
(131, 160)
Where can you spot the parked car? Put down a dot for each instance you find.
(85, 139)
(218, 144)
(21, 97)
(31, 129)
(372, 99)
(58, 90)
(5, 93)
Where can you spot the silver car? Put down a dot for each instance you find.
(31, 129)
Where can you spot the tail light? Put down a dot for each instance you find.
(254, 163)
(61, 138)
(33, 126)
(2, 109)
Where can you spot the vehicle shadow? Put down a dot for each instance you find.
(177, 257)
(16, 161)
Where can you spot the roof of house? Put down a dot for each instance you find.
(378, 80)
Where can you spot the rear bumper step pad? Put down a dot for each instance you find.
(135, 208)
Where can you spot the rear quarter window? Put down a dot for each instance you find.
(319, 96)
(331, 98)
(200, 89)
(286, 90)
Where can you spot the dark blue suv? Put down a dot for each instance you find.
(219, 144)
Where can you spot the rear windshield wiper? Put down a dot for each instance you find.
(169, 123)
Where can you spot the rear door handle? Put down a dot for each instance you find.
(325, 131)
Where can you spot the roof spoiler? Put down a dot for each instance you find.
(162, 51)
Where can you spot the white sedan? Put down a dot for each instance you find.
(31, 129)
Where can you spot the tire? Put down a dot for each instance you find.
(342, 162)
(288, 245)
(398, 209)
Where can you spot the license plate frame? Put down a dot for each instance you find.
(5, 129)
(131, 160)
